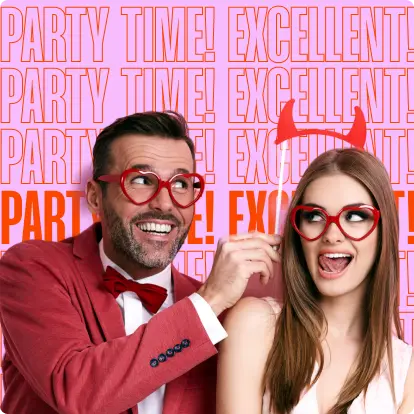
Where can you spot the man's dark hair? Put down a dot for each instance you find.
(166, 124)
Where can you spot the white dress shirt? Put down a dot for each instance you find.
(134, 315)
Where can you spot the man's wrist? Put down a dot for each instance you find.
(212, 300)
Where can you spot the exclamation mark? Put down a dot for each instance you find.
(410, 156)
(410, 94)
(410, 216)
(410, 34)
(209, 195)
(410, 280)
(209, 143)
(210, 55)
(209, 90)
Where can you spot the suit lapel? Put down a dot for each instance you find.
(86, 250)
(89, 264)
(184, 286)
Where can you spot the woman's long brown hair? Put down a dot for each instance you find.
(299, 330)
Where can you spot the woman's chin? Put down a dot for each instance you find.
(337, 288)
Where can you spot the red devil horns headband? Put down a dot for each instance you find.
(286, 128)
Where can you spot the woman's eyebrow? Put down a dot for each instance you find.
(348, 205)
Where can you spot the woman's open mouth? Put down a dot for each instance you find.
(334, 265)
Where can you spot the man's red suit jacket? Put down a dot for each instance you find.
(66, 347)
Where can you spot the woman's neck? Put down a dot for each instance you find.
(344, 315)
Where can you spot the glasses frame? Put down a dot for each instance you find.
(120, 179)
(334, 219)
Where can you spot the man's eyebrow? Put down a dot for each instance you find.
(148, 167)
(181, 171)
(143, 167)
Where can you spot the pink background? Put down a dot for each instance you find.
(68, 71)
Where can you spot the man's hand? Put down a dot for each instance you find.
(237, 258)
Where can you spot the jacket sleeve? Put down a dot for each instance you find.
(49, 344)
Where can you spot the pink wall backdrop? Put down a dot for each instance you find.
(68, 71)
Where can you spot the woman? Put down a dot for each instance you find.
(326, 348)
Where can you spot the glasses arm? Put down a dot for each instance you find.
(109, 178)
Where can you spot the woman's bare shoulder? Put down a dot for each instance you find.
(253, 314)
(274, 304)
(250, 327)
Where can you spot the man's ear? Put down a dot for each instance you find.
(94, 197)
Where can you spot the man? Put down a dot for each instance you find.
(102, 323)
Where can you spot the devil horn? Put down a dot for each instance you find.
(286, 127)
(358, 133)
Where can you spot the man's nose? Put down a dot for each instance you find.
(162, 201)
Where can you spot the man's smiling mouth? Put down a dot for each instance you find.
(155, 228)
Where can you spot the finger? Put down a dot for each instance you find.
(278, 256)
(277, 247)
(261, 269)
(278, 239)
(251, 244)
(272, 239)
(222, 241)
(278, 250)
(252, 256)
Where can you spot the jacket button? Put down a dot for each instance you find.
(162, 358)
(170, 353)
(154, 363)
(177, 348)
(185, 343)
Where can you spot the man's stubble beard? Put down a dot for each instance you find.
(124, 243)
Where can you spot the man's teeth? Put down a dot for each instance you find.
(336, 255)
(155, 227)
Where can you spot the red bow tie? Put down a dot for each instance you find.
(151, 296)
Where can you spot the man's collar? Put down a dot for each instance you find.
(160, 279)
